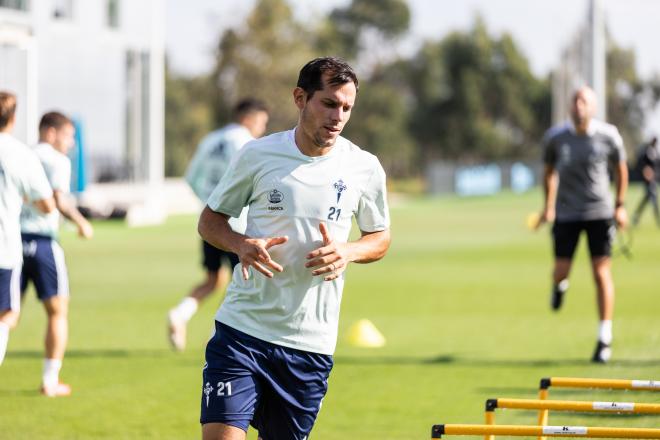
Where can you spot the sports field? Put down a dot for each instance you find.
(462, 297)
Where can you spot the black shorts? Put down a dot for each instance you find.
(600, 235)
(214, 258)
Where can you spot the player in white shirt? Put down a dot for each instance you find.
(270, 357)
(43, 258)
(22, 180)
(208, 165)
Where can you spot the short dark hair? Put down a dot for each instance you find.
(7, 108)
(339, 71)
(249, 105)
(54, 120)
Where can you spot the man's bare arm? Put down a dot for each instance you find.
(550, 183)
(332, 258)
(70, 212)
(214, 228)
(621, 182)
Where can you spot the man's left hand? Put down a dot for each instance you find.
(330, 259)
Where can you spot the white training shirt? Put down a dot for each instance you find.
(58, 171)
(289, 193)
(211, 161)
(22, 179)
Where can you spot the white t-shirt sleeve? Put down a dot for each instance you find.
(60, 179)
(236, 186)
(373, 213)
(35, 183)
(195, 173)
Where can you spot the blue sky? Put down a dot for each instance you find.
(540, 27)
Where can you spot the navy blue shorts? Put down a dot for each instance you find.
(10, 292)
(247, 381)
(600, 235)
(43, 264)
(214, 257)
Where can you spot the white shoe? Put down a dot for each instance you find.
(58, 390)
(177, 331)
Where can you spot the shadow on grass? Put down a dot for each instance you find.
(20, 393)
(92, 353)
(509, 363)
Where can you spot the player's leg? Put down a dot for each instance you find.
(295, 384)
(640, 208)
(601, 234)
(10, 305)
(231, 389)
(653, 197)
(565, 238)
(220, 431)
(52, 284)
(216, 276)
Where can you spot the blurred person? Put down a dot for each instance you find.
(43, 257)
(578, 198)
(269, 359)
(648, 161)
(208, 165)
(22, 181)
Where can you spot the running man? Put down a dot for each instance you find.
(268, 362)
(649, 159)
(578, 198)
(43, 258)
(208, 165)
(22, 180)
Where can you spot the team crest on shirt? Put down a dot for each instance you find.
(340, 187)
(208, 389)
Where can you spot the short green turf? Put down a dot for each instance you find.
(462, 298)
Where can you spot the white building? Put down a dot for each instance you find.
(100, 61)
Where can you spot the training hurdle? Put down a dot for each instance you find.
(550, 431)
(576, 382)
(567, 405)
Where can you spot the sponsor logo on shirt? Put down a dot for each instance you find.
(275, 197)
(340, 187)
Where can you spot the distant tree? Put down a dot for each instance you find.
(188, 118)
(363, 26)
(262, 60)
(476, 98)
(629, 98)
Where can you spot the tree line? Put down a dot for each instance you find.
(467, 97)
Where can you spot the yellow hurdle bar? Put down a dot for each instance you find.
(615, 384)
(571, 405)
(550, 431)
(578, 382)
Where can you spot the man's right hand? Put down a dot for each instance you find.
(547, 216)
(85, 229)
(254, 252)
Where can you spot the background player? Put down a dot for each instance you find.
(578, 198)
(208, 165)
(43, 257)
(22, 180)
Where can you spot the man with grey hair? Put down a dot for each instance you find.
(578, 198)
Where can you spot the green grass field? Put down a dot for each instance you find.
(462, 297)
